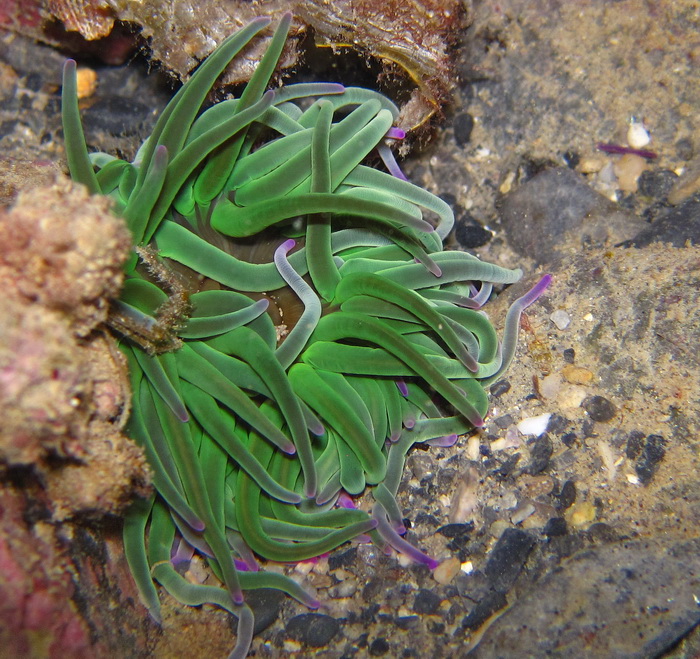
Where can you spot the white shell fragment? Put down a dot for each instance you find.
(534, 425)
(561, 319)
(637, 136)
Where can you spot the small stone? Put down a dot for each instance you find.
(571, 397)
(556, 526)
(426, 602)
(378, 647)
(508, 558)
(499, 388)
(534, 425)
(540, 454)
(637, 135)
(342, 559)
(535, 486)
(590, 165)
(561, 319)
(577, 374)
(652, 453)
(470, 234)
(522, 512)
(567, 496)
(599, 408)
(657, 184)
(313, 629)
(86, 81)
(447, 571)
(550, 385)
(456, 530)
(494, 601)
(463, 127)
(628, 169)
(581, 515)
(569, 355)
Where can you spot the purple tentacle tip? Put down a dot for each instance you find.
(395, 133)
(402, 387)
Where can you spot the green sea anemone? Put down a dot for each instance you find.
(292, 326)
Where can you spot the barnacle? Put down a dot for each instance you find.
(256, 439)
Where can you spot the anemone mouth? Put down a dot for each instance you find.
(253, 434)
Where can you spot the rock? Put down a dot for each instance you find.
(556, 202)
(426, 602)
(313, 629)
(599, 408)
(508, 558)
(604, 602)
(678, 226)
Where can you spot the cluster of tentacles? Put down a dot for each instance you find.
(257, 436)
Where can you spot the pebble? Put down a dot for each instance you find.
(463, 127)
(344, 589)
(569, 355)
(470, 234)
(427, 602)
(567, 496)
(628, 169)
(657, 184)
(535, 486)
(447, 571)
(499, 388)
(86, 81)
(507, 558)
(534, 425)
(581, 515)
(653, 452)
(571, 397)
(550, 385)
(379, 647)
(637, 135)
(556, 526)
(561, 319)
(522, 512)
(590, 165)
(486, 607)
(599, 408)
(313, 629)
(577, 374)
(540, 454)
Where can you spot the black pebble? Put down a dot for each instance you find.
(266, 604)
(569, 355)
(567, 496)
(406, 622)
(677, 226)
(555, 526)
(463, 126)
(484, 610)
(313, 629)
(635, 443)
(499, 388)
(656, 184)
(652, 454)
(599, 408)
(343, 559)
(504, 421)
(540, 454)
(507, 558)
(571, 158)
(469, 233)
(569, 439)
(456, 530)
(426, 601)
(378, 647)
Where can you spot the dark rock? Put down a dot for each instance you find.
(677, 226)
(463, 126)
(499, 388)
(572, 159)
(588, 428)
(114, 115)
(635, 443)
(470, 234)
(555, 202)
(426, 518)
(313, 629)
(656, 183)
(484, 610)
(554, 527)
(407, 622)
(629, 599)
(378, 647)
(507, 467)
(508, 558)
(684, 149)
(426, 602)
(540, 454)
(599, 408)
(569, 439)
(569, 355)
(567, 496)
(504, 421)
(436, 627)
(340, 559)
(557, 424)
(652, 453)
(266, 604)
(456, 530)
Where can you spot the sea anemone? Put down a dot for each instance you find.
(257, 429)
